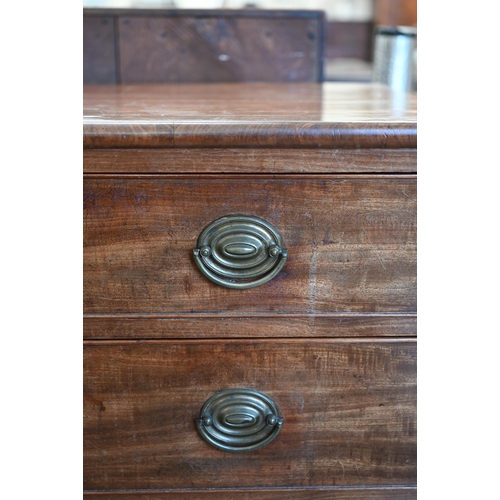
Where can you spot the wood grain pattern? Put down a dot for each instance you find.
(327, 116)
(177, 326)
(334, 493)
(226, 103)
(251, 135)
(349, 409)
(230, 161)
(351, 242)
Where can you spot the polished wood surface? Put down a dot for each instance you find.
(325, 493)
(349, 410)
(173, 45)
(351, 242)
(330, 115)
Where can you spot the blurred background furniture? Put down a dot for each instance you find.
(172, 45)
(348, 38)
(395, 12)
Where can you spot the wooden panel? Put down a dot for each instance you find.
(337, 493)
(351, 243)
(237, 325)
(349, 411)
(156, 49)
(227, 161)
(99, 50)
(349, 40)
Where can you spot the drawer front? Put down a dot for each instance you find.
(198, 326)
(351, 243)
(349, 409)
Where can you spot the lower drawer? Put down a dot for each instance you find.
(349, 409)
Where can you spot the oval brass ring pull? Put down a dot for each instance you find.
(240, 251)
(239, 420)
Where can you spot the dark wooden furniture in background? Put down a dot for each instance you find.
(351, 40)
(349, 51)
(331, 339)
(158, 45)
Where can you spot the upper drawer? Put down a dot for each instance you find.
(351, 243)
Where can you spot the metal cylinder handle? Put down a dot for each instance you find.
(240, 251)
(239, 420)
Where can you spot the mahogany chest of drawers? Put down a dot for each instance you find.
(249, 291)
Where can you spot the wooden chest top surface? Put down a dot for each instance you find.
(329, 115)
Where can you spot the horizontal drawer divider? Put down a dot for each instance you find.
(240, 176)
(272, 340)
(243, 315)
(254, 326)
(346, 492)
(249, 162)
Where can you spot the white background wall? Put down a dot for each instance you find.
(340, 10)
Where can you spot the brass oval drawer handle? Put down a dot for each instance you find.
(239, 420)
(240, 251)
